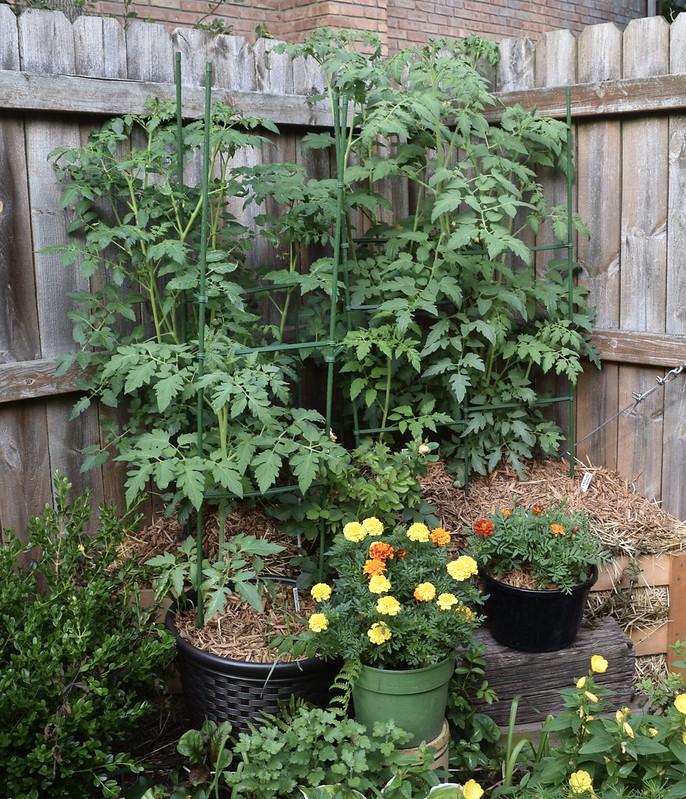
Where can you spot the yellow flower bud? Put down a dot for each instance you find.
(680, 703)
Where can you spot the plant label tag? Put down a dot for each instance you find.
(296, 599)
(586, 481)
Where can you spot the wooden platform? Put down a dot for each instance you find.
(538, 677)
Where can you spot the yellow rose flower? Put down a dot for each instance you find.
(581, 782)
(372, 526)
(446, 601)
(680, 703)
(379, 632)
(472, 790)
(425, 592)
(318, 623)
(463, 568)
(418, 532)
(353, 531)
(388, 606)
(320, 592)
(598, 664)
(379, 584)
(581, 682)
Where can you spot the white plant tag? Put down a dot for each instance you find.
(296, 599)
(586, 481)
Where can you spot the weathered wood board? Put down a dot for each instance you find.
(538, 677)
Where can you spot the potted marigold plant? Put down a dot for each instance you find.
(399, 606)
(537, 566)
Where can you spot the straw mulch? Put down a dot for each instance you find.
(627, 523)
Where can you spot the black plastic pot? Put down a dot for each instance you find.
(220, 689)
(534, 621)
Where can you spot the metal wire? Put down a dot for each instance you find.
(637, 399)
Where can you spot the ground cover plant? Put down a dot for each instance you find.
(80, 660)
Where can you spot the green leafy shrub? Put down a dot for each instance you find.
(78, 656)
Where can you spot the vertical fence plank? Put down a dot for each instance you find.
(643, 255)
(598, 178)
(149, 52)
(24, 472)
(555, 65)
(674, 441)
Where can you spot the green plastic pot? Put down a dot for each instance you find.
(414, 699)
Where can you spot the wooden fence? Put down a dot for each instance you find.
(628, 97)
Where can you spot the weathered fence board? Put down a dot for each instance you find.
(598, 181)
(629, 111)
(644, 216)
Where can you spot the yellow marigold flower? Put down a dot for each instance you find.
(372, 526)
(680, 703)
(425, 592)
(353, 531)
(598, 664)
(379, 632)
(440, 537)
(581, 782)
(388, 606)
(591, 697)
(379, 584)
(628, 729)
(379, 550)
(418, 532)
(373, 566)
(318, 623)
(446, 601)
(557, 529)
(472, 790)
(320, 592)
(581, 682)
(463, 568)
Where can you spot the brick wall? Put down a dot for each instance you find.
(399, 23)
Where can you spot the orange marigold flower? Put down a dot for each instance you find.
(373, 567)
(381, 551)
(440, 537)
(401, 553)
(505, 512)
(484, 527)
(537, 509)
(558, 529)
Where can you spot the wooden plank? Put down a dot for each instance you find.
(47, 47)
(26, 380)
(75, 94)
(674, 439)
(509, 672)
(637, 347)
(676, 626)
(555, 66)
(598, 180)
(642, 572)
(643, 256)
(650, 640)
